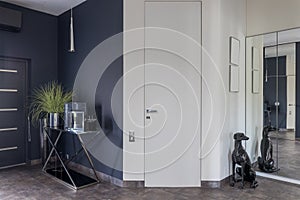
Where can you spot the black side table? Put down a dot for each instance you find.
(60, 170)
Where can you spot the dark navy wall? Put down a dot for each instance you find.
(298, 90)
(37, 41)
(94, 22)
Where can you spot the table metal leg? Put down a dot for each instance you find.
(88, 156)
(52, 149)
(66, 178)
(81, 149)
(57, 154)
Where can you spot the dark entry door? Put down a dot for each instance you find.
(13, 92)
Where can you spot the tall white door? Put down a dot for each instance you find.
(172, 94)
(291, 89)
(291, 101)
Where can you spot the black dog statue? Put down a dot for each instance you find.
(266, 162)
(240, 157)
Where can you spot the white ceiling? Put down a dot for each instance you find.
(53, 7)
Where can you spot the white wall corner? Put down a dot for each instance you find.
(221, 20)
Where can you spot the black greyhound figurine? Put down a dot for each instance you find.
(240, 157)
(266, 162)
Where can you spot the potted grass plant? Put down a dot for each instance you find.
(48, 102)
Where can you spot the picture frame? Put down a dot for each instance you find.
(234, 51)
(255, 81)
(255, 58)
(234, 79)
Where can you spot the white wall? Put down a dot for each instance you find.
(223, 112)
(265, 16)
(221, 19)
(133, 98)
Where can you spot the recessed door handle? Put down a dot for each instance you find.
(151, 111)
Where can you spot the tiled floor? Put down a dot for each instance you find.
(288, 156)
(30, 183)
(288, 150)
(287, 135)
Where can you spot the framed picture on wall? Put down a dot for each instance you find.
(255, 81)
(234, 51)
(234, 80)
(255, 58)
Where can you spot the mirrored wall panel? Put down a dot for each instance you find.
(271, 102)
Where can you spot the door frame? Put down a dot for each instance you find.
(133, 43)
(201, 79)
(27, 134)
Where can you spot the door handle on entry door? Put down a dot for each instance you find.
(151, 111)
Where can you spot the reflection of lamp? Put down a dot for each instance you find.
(72, 45)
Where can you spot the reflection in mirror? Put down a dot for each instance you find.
(271, 99)
(254, 91)
(288, 148)
(284, 79)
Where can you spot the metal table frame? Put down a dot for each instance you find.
(53, 143)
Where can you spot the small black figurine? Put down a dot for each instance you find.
(240, 157)
(266, 162)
